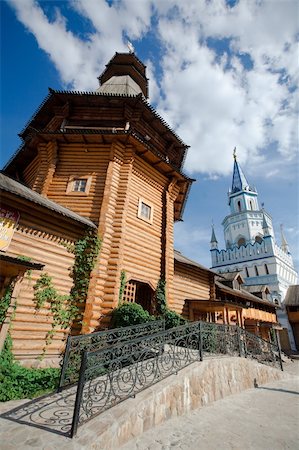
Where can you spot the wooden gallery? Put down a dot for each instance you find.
(102, 171)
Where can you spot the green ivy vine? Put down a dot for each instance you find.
(59, 305)
(66, 309)
(123, 280)
(86, 251)
(6, 301)
(161, 304)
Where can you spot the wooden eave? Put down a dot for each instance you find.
(244, 295)
(121, 58)
(66, 217)
(19, 263)
(180, 259)
(216, 305)
(143, 149)
(62, 104)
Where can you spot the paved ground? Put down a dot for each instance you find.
(257, 419)
(263, 418)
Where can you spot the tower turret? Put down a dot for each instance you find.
(265, 226)
(251, 247)
(214, 242)
(241, 196)
(124, 75)
(284, 245)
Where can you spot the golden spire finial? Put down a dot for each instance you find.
(235, 153)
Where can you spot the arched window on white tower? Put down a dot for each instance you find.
(239, 205)
(251, 205)
(241, 241)
(256, 271)
(266, 269)
(247, 272)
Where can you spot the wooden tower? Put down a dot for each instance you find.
(108, 156)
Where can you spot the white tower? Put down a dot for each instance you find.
(251, 247)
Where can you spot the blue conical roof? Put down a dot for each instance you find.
(239, 180)
(213, 237)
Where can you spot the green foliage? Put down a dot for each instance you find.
(45, 292)
(24, 258)
(86, 251)
(123, 279)
(172, 319)
(129, 314)
(61, 308)
(161, 305)
(5, 302)
(210, 339)
(18, 382)
(65, 309)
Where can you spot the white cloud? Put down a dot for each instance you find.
(213, 102)
(193, 242)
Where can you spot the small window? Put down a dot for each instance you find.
(79, 185)
(256, 271)
(239, 205)
(258, 239)
(266, 269)
(145, 210)
(247, 272)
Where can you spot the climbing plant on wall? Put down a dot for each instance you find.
(86, 251)
(67, 309)
(172, 319)
(6, 301)
(161, 305)
(123, 279)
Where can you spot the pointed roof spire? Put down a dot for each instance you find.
(240, 182)
(213, 241)
(284, 244)
(265, 226)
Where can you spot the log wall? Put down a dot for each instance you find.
(80, 161)
(43, 238)
(129, 243)
(189, 283)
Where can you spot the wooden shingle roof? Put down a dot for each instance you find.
(12, 186)
(292, 296)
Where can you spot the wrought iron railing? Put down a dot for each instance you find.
(77, 345)
(112, 375)
(220, 339)
(262, 351)
(109, 376)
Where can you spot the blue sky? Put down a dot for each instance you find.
(222, 74)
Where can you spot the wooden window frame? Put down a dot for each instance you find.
(139, 214)
(71, 182)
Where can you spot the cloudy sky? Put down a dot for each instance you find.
(223, 73)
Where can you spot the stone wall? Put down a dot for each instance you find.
(193, 387)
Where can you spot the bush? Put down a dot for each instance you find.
(129, 314)
(18, 382)
(161, 304)
(172, 319)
